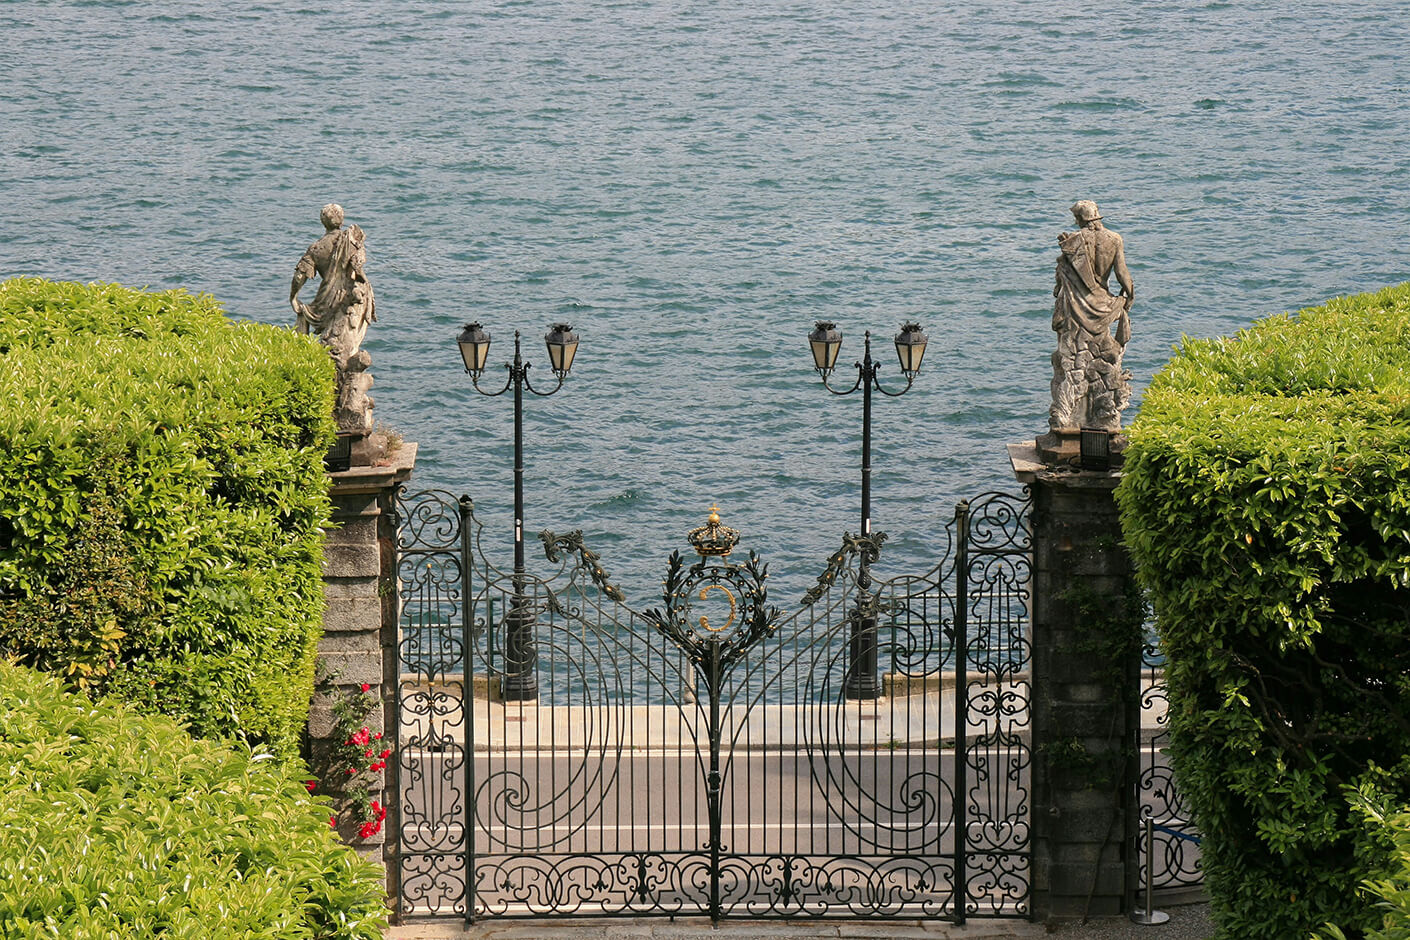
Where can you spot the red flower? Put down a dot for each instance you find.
(310, 784)
(332, 822)
(367, 753)
(377, 736)
(386, 754)
(366, 687)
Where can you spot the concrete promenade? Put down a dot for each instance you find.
(920, 719)
(1187, 922)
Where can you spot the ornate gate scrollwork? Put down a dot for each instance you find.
(714, 651)
(711, 755)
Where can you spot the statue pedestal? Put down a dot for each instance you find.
(1062, 447)
(357, 449)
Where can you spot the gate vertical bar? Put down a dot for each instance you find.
(394, 869)
(714, 679)
(961, 707)
(467, 699)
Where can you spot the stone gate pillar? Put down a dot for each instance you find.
(359, 642)
(1087, 622)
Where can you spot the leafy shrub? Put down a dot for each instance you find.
(161, 500)
(1266, 503)
(1389, 881)
(119, 825)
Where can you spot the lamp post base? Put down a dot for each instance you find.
(519, 688)
(520, 682)
(861, 688)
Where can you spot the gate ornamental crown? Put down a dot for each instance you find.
(713, 539)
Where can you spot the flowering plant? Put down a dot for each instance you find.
(358, 754)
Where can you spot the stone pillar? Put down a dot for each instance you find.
(359, 641)
(1087, 622)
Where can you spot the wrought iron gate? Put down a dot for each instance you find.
(701, 757)
(1173, 863)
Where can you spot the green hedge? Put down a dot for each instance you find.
(119, 825)
(1386, 887)
(161, 500)
(1266, 503)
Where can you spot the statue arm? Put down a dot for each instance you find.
(1123, 275)
(302, 272)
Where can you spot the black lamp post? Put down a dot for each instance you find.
(862, 681)
(520, 682)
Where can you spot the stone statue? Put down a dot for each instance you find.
(340, 313)
(1090, 388)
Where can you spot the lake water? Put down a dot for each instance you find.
(691, 184)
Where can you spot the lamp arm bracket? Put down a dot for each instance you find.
(535, 391)
(877, 384)
(508, 383)
(855, 385)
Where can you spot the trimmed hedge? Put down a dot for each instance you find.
(162, 495)
(1266, 503)
(119, 825)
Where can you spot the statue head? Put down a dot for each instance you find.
(331, 216)
(1086, 212)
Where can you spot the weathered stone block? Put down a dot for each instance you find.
(360, 586)
(320, 721)
(1081, 827)
(1083, 692)
(353, 530)
(1077, 880)
(348, 505)
(1095, 722)
(361, 614)
(349, 561)
(353, 668)
(361, 641)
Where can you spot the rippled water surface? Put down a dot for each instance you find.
(692, 184)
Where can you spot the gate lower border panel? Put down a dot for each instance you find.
(651, 884)
(540, 806)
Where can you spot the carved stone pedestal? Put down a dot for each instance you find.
(1062, 447)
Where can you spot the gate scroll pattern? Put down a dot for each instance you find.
(674, 766)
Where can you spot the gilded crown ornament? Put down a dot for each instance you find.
(713, 540)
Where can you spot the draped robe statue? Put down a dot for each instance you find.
(1090, 388)
(340, 313)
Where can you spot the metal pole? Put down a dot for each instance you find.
(861, 682)
(713, 783)
(1149, 915)
(961, 709)
(520, 682)
(467, 701)
(868, 375)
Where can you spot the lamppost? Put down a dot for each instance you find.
(826, 341)
(520, 682)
